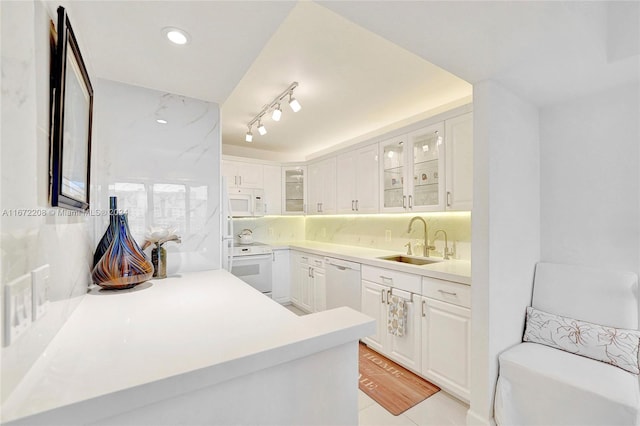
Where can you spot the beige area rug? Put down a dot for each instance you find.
(389, 384)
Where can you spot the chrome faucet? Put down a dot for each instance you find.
(446, 255)
(426, 246)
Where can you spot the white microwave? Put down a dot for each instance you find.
(246, 202)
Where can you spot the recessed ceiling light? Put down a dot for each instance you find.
(161, 121)
(176, 35)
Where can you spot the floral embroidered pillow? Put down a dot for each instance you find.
(614, 346)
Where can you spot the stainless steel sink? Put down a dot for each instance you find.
(413, 260)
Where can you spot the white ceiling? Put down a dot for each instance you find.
(124, 43)
(546, 51)
(359, 75)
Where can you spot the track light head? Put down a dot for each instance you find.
(293, 103)
(277, 113)
(261, 129)
(249, 136)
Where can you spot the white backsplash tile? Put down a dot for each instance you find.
(390, 232)
(272, 229)
(365, 230)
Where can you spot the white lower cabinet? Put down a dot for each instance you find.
(446, 336)
(375, 302)
(438, 334)
(308, 283)
(281, 276)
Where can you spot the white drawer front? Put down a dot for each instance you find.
(447, 291)
(317, 262)
(406, 282)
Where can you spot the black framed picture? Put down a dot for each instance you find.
(71, 120)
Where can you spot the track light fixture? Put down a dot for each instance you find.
(276, 110)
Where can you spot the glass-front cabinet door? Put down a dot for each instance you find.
(294, 182)
(393, 153)
(426, 192)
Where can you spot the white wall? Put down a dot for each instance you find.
(590, 180)
(28, 242)
(163, 174)
(505, 225)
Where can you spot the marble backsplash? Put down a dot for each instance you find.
(272, 229)
(163, 174)
(389, 232)
(32, 233)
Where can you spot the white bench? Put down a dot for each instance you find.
(541, 385)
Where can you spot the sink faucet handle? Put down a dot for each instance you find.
(448, 253)
(408, 246)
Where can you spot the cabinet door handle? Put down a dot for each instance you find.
(240, 178)
(404, 201)
(357, 208)
(309, 272)
(388, 296)
(312, 273)
(448, 198)
(235, 180)
(382, 296)
(410, 201)
(451, 293)
(353, 205)
(423, 306)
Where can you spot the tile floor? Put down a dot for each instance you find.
(440, 409)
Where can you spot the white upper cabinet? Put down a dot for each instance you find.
(321, 197)
(427, 158)
(294, 189)
(272, 189)
(412, 170)
(357, 181)
(245, 175)
(393, 181)
(459, 158)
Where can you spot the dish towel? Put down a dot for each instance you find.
(397, 316)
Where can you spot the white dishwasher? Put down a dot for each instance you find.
(342, 283)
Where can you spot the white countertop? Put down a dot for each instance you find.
(451, 270)
(123, 349)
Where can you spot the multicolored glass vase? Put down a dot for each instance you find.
(124, 264)
(106, 239)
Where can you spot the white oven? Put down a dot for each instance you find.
(252, 264)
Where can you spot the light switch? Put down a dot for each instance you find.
(40, 291)
(17, 308)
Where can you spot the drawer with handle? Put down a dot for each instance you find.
(447, 291)
(400, 280)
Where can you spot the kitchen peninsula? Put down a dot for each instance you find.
(200, 348)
